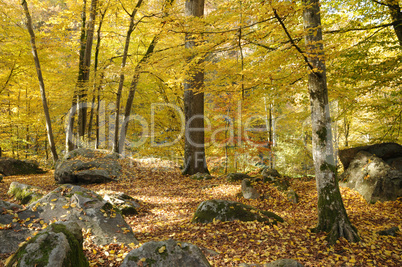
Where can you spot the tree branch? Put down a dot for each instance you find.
(291, 39)
(362, 29)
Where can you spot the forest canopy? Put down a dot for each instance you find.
(255, 84)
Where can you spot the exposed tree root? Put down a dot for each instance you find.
(339, 229)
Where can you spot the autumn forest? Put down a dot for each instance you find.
(212, 87)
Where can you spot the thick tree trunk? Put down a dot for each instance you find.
(396, 16)
(194, 148)
(121, 82)
(41, 83)
(332, 216)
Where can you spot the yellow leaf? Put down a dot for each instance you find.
(54, 199)
(94, 251)
(162, 249)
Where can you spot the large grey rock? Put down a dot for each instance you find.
(374, 179)
(395, 163)
(385, 151)
(164, 254)
(59, 245)
(284, 263)
(201, 176)
(126, 204)
(89, 210)
(272, 176)
(87, 166)
(24, 193)
(225, 210)
(10, 166)
(13, 231)
(248, 191)
(236, 176)
(292, 196)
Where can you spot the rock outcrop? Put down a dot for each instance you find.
(87, 166)
(166, 253)
(10, 166)
(385, 151)
(89, 210)
(248, 191)
(58, 245)
(373, 178)
(24, 193)
(225, 210)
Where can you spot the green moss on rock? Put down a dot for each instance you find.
(75, 256)
(224, 210)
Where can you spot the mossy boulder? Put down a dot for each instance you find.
(10, 166)
(87, 166)
(272, 176)
(236, 177)
(373, 178)
(225, 210)
(58, 245)
(89, 210)
(24, 193)
(248, 190)
(201, 176)
(292, 196)
(124, 203)
(166, 253)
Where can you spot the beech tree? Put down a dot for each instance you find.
(332, 216)
(41, 82)
(194, 148)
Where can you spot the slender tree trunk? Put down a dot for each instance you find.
(95, 86)
(332, 216)
(41, 83)
(70, 144)
(194, 148)
(82, 95)
(134, 83)
(131, 28)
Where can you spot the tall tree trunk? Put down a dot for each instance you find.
(135, 79)
(82, 95)
(41, 83)
(131, 28)
(70, 144)
(95, 85)
(332, 216)
(194, 148)
(396, 16)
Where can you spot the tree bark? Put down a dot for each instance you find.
(396, 16)
(41, 83)
(134, 82)
(96, 88)
(82, 83)
(194, 143)
(70, 144)
(131, 28)
(332, 216)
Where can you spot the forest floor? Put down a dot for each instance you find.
(169, 199)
